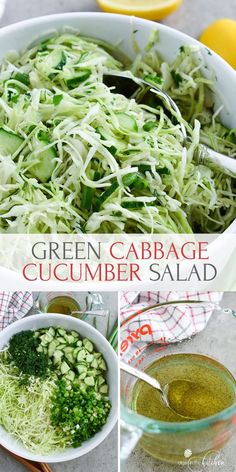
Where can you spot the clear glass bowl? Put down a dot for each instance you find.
(182, 442)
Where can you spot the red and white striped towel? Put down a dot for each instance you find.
(168, 324)
(13, 306)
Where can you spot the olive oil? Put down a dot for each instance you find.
(213, 388)
(63, 305)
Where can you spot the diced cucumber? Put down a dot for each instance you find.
(81, 355)
(82, 376)
(9, 142)
(68, 349)
(61, 340)
(89, 381)
(102, 365)
(75, 334)
(70, 339)
(70, 358)
(101, 380)
(58, 356)
(103, 389)
(48, 337)
(51, 331)
(21, 77)
(92, 373)
(75, 352)
(45, 164)
(74, 360)
(127, 122)
(62, 332)
(88, 345)
(64, 368)
(61, 347)
(94, 363)
(115, 143)
(80, 76)
(81, 368)
(52, 348)
(55, 61)
(97, 355)
(89, 358)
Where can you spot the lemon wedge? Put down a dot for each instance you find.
(149, 9)
(220, 36)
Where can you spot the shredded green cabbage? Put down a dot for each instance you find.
(25, 411)
(116, 166)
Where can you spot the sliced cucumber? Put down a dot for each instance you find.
(101, 380)
(52, 348)
(81, 368)
(61, 340)
(21, 77)
(55, 61)
(82, 376)
(102, 365)
(64, 368)
(103, 389)
(89, 381)
(62, 332)
(9, 142)
(74, 360)
(89, 358)
(45, 165)
(115, 143)
(70, 375)
(81, 355)
(127, 122)
(88, 345)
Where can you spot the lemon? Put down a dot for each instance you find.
(221, 37)
(150, 9)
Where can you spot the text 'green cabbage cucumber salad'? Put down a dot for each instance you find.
(77, 157)
(53, 390)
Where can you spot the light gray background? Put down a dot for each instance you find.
(191, 18)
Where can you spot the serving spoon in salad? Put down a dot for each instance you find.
(168, 391)
(150, 94)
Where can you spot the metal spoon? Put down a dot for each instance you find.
(144, 92)
(164, 391)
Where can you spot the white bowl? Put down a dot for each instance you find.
(85, 330)
(117, 29)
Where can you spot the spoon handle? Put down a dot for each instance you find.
(140, 375)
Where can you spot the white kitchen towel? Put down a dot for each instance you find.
(166, 324)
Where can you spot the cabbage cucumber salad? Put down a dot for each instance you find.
(53, 390)
(77, 157)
